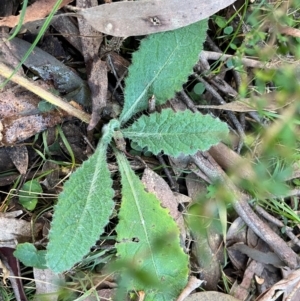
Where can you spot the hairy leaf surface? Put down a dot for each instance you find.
(175, 133)
(83, 209)
(149, 247)
(161, 66)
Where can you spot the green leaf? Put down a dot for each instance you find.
(28, 196)
(161, 66)
(149, 248)
(83, 209)
(45, 106)
(30, 256)
(175, 133)
(220, 21)
(199, 88)
(228, 30)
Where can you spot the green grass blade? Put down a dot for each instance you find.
(67, 145)
(21, 19)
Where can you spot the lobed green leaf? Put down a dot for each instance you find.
(161, 66)
(30, 256)
(149, 247)
(175, 133)
(83, 209)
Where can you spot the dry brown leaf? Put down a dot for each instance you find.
(19, 156)
(237, 232)
(15, 230)
(96, 69)
(158, 186)
(17, 101)
(134, 18)
(192, 284)
(210, 296)
(47, 283)
(20, 116)
(90, 39)
(38, 10)
(259, 256)
(245, 249)
(68, 30)
(98, 83)
(288, 286)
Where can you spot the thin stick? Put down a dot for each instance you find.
(34, 88)
(240, 203)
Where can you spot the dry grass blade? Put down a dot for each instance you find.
(55, 100)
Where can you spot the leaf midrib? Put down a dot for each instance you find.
(89, 199)
(129, 113)
(131, 184)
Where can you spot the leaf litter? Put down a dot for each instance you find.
(257, 263)
(37, 10)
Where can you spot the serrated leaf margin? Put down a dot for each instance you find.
(178, 133)
(134, 197)
(83, 209)
(170, 55)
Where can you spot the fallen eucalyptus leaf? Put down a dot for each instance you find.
(210, 296)
(259, 256)
(21, 118)
(134, 18)
(65, 80)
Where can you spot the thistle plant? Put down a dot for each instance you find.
(160, 67)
